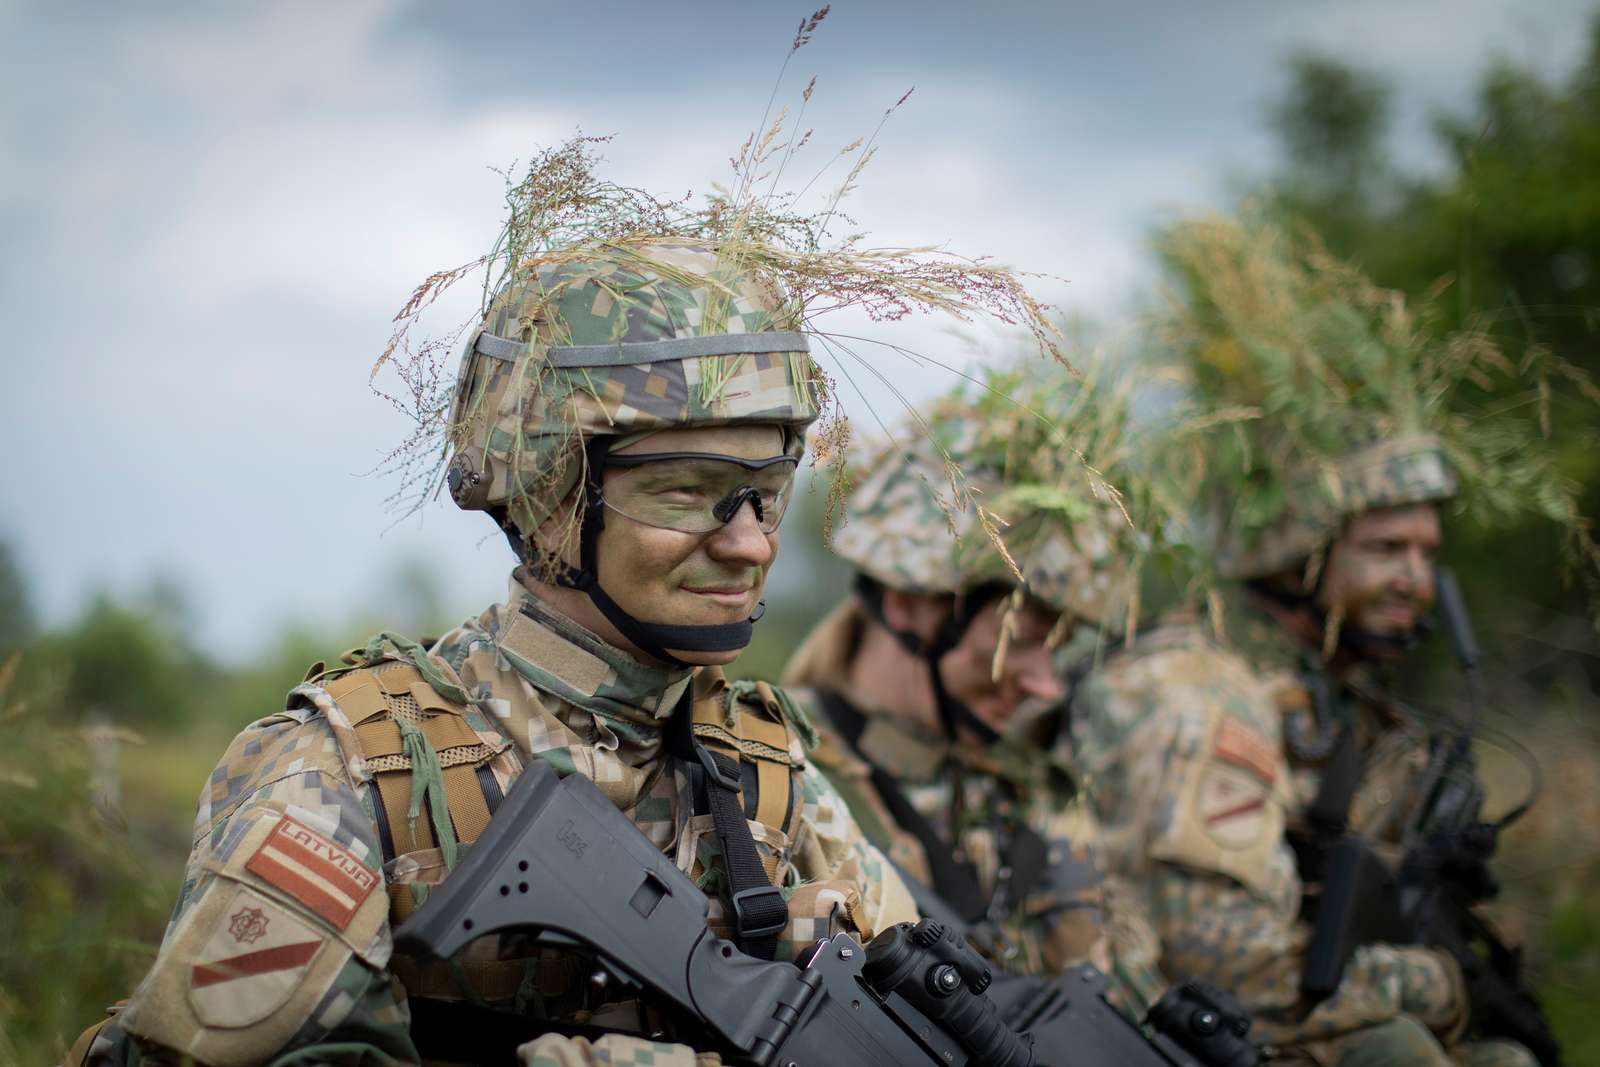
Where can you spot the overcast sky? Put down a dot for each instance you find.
(208, 214)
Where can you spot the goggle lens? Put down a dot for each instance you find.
(696, 493)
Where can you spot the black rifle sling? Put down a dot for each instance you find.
(1328, 815)
(1028, 857)
(760, 913)
(956, 883)
(1329, 812)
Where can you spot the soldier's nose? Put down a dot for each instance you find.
(1038, 679)
(1415, 575)
(740, 540)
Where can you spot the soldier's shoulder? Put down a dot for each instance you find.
(1177, 676)
(1167, 658)
(317, 739)
(283, 895)
(287, 744)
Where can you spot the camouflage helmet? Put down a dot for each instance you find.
(1410, 469)
(1344, 392)
(931, 516)
(617, 340)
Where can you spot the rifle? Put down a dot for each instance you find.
(561, 863)
(1193, 1022)
(1444, 872)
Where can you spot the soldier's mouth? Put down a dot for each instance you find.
(729, 594)
(1394, 616)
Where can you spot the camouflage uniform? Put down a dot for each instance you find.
(280, 949)
(542, 688)
(1203, 753)
(978, 798)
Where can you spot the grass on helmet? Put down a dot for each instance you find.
(1068, 444)
(1263, 320)
(560, 209)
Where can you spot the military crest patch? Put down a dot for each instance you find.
(255, 957)
(248, 925)
(324, 876)
(1232, 807)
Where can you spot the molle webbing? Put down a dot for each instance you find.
(757, 739)
(735, 744)
(386, 703)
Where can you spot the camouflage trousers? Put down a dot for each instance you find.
(1405, 1042)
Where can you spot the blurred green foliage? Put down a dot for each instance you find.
(16, 612)
(82, 894)
(1505, 231)
(129, 661)
(113, 722)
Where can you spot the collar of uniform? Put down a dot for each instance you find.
(824, 656)
(899, 747)
(1251, 630)
(555, 654)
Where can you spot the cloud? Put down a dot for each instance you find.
(210, 213)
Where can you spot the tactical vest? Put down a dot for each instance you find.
(405, 729)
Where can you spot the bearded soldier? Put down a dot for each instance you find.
(965, 588)
(630, 412)
(1216, 753)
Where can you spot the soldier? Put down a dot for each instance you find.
(630, 412)
(964, 590)
(1208, 747)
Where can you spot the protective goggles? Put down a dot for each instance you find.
(697, 492)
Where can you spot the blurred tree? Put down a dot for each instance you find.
(1331, 124)
(1508, 230)
(133, 661)
(414, 599)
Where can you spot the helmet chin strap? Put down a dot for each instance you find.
(953, 714)
(652, 638)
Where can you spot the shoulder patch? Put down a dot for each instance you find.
(1221, 805)
(1231, 807)
(255, 957)
(324, 876)
(1241, 746)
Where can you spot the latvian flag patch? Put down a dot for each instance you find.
(325, 877)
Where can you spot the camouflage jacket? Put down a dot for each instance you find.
(1200, 758)
(977, 800)
(280, 947)
(1393, 743)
